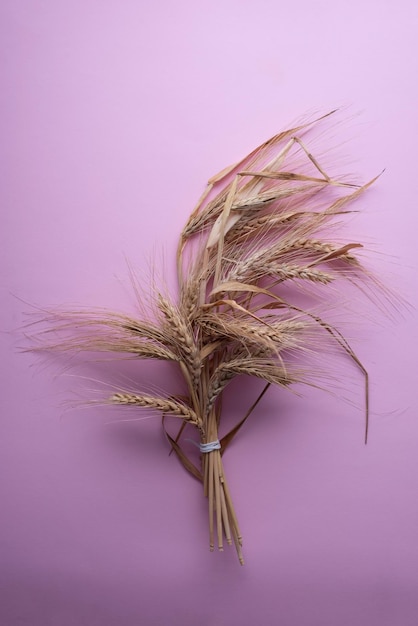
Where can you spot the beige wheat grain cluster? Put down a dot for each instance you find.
(259, 234)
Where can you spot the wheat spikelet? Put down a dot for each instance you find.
(145, 350)
(220, 327)
(267, 222)
(220, 378)
(260, 368)
(290, 272)
(189, 301)
(207, 216)
(282, 334)
(251, 270)
(182, 338)
(316, 246)
(165, 405)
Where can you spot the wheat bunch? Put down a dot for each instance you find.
(262, 222)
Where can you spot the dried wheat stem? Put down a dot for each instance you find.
(236, 533)
(234, 521)
(205, 464)
(225, 517)
(211, 502)
(213, 487)
(215, 454)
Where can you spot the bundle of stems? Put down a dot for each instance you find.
(261, 226)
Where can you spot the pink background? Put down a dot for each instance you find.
(113, 116)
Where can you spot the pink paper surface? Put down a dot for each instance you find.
(113, 116)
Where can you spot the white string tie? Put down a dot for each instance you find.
(206, 447)
(209, 447)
